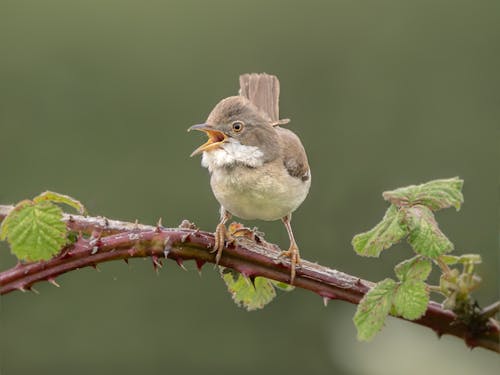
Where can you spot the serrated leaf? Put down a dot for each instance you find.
(385, 234)
(435, 194)
(244, 293)
(4, 227)
(416, 268)
(61, 198)
(411, 299)
(425, 236)
(35, 231)
(373, 309)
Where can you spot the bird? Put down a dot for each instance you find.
(258, 169)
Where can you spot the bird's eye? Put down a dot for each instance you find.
(237, 126)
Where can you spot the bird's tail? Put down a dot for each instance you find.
(263, 90)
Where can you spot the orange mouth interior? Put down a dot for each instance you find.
(215, 139)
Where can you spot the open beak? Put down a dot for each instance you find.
(215, 138)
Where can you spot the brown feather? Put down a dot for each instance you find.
(263, 90)
(294, 155)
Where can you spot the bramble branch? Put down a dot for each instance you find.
(106, 240)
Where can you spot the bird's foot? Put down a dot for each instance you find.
(238, 230)
(234, 232)
(293, 254)
(221, 235)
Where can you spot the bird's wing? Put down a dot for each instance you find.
(294, 155)
(263, 90)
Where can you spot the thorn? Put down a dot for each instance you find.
(125, 260)
(96, 243)
(95, 240)
(136, 224)
(325, 301)
(53, 282)
(157, 264)
(159, 225)
(158, 260)
(180, 262)
(94, 266)
(31, 289)
(470, 342)
(63, 254)
(199, 264)
(186, 224)
(21, 289)
(166, 246)
(106, 222)
(185, 237)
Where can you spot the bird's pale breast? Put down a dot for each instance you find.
(265, 193)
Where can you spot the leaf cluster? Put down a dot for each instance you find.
(410, 216)
(407, 298)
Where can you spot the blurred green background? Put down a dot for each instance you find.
(95, 100)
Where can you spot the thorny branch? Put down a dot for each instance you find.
(108, 240)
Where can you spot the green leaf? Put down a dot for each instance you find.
(35, 231)
(61, 198)
(250, 296)
(435, 194)
(282, 286)
(411, 299)
(425, 236)
(416, 268)
(385, 234)
(373, 309)
(449, 259)
(470, 258)
(4, 227)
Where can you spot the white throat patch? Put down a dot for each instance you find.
(230, 153)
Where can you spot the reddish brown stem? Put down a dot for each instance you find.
(126, 240)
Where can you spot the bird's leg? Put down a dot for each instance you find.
(293, 251)
(221, 234)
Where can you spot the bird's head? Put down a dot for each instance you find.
(238, 127)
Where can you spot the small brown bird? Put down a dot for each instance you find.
(258, 169)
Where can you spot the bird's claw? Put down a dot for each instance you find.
(293, 254)
(221, 235)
